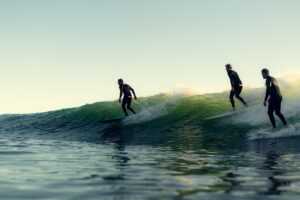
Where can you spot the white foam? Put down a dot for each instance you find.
(147, 114)
(291, 131)
(153, 112)
(257, 115)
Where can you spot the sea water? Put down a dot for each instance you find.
(178, 154)
(111, 169)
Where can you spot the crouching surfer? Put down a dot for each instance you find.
(274, 99)
(236, 86)
(126, 91)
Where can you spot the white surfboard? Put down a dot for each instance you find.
(225, 114)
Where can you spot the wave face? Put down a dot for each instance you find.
(159, 117)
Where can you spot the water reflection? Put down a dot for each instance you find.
(206, 162)
(119, 154)
(271, 165)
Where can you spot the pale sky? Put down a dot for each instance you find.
(65, 53)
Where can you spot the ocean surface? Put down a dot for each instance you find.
(169, 150)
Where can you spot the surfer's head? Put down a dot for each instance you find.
(228, 67)
(120, 81)
(265, 73)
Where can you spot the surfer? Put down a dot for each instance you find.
(236, 86)
(274, 98)
(125, 91)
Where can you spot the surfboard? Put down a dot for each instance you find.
(225, 114)
(118, 119)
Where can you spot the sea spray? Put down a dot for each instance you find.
(290, 131)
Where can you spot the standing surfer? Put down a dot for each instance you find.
(236, 86)
(125, 91)
(274, 96)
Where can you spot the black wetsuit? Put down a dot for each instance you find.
(275, 100)
(127, 98)
(236, 84)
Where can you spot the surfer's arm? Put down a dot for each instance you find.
(237, 79)
(232, 85)
(132, 90)
(231, 82)
(268, 85)
(120, 97)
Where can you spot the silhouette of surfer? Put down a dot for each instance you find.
(236, 86)
(125, 91)
(274, 99)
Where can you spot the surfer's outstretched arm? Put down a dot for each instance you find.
(132, 90)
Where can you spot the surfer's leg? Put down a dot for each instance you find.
(237, 95)
(278, 112)
(124, 106)
(271, 110)
(129, 106)
(232, 93)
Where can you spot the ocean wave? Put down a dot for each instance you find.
(164, 111)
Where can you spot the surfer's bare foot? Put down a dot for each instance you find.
(233, 110)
